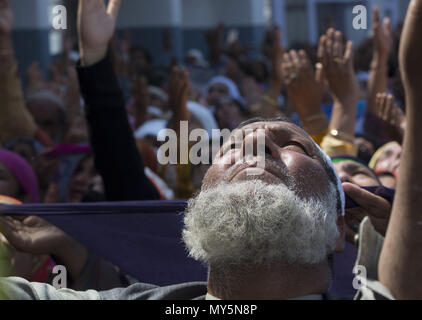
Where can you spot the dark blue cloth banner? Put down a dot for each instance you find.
(142, 238)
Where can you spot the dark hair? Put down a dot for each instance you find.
(145, 51)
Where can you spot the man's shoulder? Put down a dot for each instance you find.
(142, 291)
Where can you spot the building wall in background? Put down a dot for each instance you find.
(188, 20)
(31, 32)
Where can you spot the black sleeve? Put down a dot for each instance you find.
(117, 158)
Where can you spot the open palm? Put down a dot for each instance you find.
(33, 235)
(96, 24)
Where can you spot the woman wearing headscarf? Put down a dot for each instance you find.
(17, 178)
(18, 184)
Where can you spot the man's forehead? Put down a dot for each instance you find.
(281, 127)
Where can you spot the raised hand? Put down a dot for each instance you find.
(337, 60)
(215, 39)
(370, 205)
(394, 118)
(6, 18)
(400, 263)
(277, 52)
(383, 38)
(96, 24)
(305, 87)
(411, 48)
(36, 236)
(178, 89)
(33, 235)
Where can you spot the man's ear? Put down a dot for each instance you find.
(342, 237)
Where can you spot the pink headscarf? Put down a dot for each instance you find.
(23, 173)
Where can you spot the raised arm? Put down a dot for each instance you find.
(337, 60)
(15, 120)
(268, 107)
(305, 89)
(116, 156)
(383, 42)
(400, 265)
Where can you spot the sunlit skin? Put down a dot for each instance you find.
(389, 160)
(358, 174)
(388, 180)
(291, 158)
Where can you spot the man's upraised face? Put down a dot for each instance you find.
(283, 212)
(291, 158)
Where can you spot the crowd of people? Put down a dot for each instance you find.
(341, 143)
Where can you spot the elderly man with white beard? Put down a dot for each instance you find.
(270, 234)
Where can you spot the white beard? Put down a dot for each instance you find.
(256, 223)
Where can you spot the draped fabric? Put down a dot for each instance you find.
(142, 238)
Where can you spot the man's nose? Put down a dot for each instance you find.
(258, 144)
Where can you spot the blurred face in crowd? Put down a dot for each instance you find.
(81, 180)
(356, 173)
(389, 160)
(228, 114)
(139, 61)
(9, 185)
(243, 215)
(48, 116)
(217, 92)
(25, 150)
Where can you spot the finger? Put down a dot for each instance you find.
(348, 54)
(304, 60)
(374, 205)
(329, 43)
(113, 8)
(338, 47)
(376, 18)
(384, 115)
(387, 27)
(319, 74)
(294, 58)
(378, 105)
(321, 48)
(287, 67)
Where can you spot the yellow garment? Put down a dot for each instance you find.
(183, 187)
(320, 136)
(378, 153)
(15, 120)
(334, 147)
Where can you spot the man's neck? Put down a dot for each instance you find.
(278, 282)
